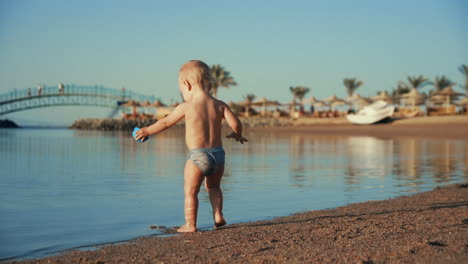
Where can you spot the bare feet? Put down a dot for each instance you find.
(220, 224)
(187, 229)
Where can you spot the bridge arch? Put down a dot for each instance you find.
(67, 95)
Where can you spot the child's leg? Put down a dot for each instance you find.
(193, 178)
(213, 186)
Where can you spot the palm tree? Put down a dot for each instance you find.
(220, 78)
(442, 82)
(351, 85)
(249, 98)
(299, 93)
(418, 82)
(464, 70)
(402, 88)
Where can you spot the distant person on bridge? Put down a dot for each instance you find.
(203, 117)
(61, 88)
(39, 90)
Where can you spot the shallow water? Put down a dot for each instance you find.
(61, 189)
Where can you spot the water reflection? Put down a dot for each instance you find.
(54, 180)
(305, 159)
(408, 161)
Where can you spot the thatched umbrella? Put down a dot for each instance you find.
(146, 103)
(158, 103)
(311, 100)
(449, 94)
(414, 98)
(160, 108)
(247, 104)
(292, 105)
(354, 97)
(321, 104)
(337, 103)
(134, 104)
(437, 99)
(357, 99)
(264, 102)
(463, 101)
(334, 101)
(363, 102)
(383, 96)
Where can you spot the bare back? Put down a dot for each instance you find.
(203, 120)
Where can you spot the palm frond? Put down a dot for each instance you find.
(299, 92)
(442, 82)
(351, 85)
(418, 81)
(220, 78)
(463, 69)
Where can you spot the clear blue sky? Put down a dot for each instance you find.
(266, 45)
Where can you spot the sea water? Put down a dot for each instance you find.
(63, 189)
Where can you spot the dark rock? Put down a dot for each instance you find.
(110, 124)
(8, 124)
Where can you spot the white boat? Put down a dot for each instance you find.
(372, 113)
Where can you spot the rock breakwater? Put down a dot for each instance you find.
(8, 124)
(248, 122)
(110, 123)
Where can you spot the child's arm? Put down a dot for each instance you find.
(163, 124)
(235, 124)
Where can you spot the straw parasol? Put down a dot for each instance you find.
(354, 97)
(383, 96)
(231, 104)
(247, 104)
(146, 104)
(321, 104)
(363, 102)
(291, 105)
(134, 104)
(463, 101)
(337, 103)
(311, 100)
(437, 99)
(414, 98)
(449, 94)
(264, 102)
(332, 99)
(158, 103)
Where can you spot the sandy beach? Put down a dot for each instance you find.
(429, 227)
(455, 127)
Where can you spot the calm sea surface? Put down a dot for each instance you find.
(62, 189)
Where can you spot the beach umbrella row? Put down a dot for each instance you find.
(156, 104)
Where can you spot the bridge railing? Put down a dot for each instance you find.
(69, 89)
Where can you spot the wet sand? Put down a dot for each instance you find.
(430, 227)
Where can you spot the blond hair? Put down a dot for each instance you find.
(198, 72)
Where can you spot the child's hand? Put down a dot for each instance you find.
(237, 137)
(141, 133)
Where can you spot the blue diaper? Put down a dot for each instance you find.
(208, 160)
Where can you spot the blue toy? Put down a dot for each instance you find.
(134, 135)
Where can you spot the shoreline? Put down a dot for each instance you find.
(281, 122)
(428, 227)
(449, 127)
